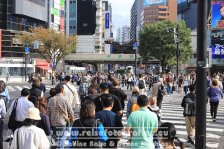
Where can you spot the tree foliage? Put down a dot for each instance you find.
(157, 42)
(52, 45)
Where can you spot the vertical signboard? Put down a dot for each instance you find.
(217, 14)
(0, 43)
(107, 20)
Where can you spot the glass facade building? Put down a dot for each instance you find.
(11, 23)
(72, 17)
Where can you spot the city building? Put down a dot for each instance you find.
(125, 34)
(118, 35)
(135, 21)
(158, 12)
(185, 10)
(17, 16)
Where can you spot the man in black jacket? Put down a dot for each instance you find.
(189, 105)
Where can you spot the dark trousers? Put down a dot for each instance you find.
(214, 108)
(159, 101)
(185, 89)
(1, 133)
(129, 85)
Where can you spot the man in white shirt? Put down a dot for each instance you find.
(22, 107)
(71, 93)
(30, 136)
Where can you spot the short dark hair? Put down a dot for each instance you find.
(67, 78)
(59, 88)
(167, 132)
(142, 100)
(215, 82)
(53, 92)
(87, 110)
(192, 87)
(25, 92)
(107, 100)
(140, 75)
(104, 85)
(29, 122)
(40, 79)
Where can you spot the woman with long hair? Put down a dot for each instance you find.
(87, 132)
(132, 102)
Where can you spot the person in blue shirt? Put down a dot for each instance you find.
(87, 132)
(111, 122)
(215, 94)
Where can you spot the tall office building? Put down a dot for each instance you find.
(125, 34)
(135, 21)
(71, 17)
(158, 12)
(185, 10)
(16, 16)
(118, 35)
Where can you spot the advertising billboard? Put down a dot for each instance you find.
(57, 14)
(217, 14)
(217, 43)
(154, 2)
(31, 8)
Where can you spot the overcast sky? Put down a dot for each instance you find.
(121, 13)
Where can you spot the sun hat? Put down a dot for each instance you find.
(33, 113)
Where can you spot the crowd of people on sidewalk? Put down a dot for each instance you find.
(50, 122)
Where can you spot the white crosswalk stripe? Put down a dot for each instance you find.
(18, 87)
(174, 113)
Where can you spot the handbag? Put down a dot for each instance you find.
(12, 117)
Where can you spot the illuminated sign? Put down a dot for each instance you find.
(154, 2)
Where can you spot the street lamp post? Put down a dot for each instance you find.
(135, 47)
(177, 40)
(27, 51)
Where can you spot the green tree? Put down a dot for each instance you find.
(157, 42)
(53, 46)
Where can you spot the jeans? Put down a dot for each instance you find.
(185, 89)
(214, 108)
(169, 91)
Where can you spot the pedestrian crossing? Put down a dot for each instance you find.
(173, 112)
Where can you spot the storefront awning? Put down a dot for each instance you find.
(44, 67)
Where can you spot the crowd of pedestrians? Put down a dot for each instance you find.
(100, 102)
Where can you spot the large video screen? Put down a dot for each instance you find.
(217, 43)
(217, 14)
(154, 2)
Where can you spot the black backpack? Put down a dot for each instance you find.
(141, 84)
(190, 106)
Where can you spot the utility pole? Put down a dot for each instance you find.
(201, 78)
(177, 40)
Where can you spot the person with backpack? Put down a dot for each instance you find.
(189, 105)
(111, 122)
(142, 85)
(4, 93)
(215, 94)
(132, 102)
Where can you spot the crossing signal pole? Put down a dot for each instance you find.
(201, 78)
